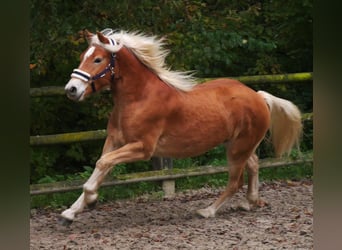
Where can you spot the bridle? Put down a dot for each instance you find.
(85, 76)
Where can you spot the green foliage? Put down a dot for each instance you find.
(216, 180)
(213, 38)
(294, 173)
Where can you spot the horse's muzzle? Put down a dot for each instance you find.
(75, 89)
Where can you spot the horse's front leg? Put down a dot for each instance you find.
(128, 153)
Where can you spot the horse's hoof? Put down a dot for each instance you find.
(205, 213)
(243, 205)
(92, 205)
(64, 221)
(261, 203)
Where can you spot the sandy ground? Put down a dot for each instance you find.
(171, 223)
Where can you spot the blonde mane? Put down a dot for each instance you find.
(149, 50)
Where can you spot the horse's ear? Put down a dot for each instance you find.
(102, 38)
(88, 35)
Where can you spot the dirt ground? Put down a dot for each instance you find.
(171, 223)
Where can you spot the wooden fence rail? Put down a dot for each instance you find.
(42, 140)
(168, 176)
(293, 77)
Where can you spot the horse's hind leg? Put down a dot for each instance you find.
(235, 182)
(252, 167)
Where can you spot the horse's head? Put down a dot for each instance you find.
(96, 70)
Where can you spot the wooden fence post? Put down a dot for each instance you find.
(169, 186)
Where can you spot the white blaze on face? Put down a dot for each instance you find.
(75, 88)
(77, 85)
(89, 52)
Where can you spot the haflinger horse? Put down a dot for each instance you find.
(164, 113)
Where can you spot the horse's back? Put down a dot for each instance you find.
(226, 87)
(232, 94)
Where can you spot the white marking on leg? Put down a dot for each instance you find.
(88, 196)
(253, 195)
(75, 208)
(91, 186)
(133, 151)
(253, 179)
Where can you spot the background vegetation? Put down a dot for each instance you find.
(215, 38)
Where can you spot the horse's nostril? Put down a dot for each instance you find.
(73, 89)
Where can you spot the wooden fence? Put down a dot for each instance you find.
(166, 173)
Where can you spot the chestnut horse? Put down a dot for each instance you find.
(159, 112)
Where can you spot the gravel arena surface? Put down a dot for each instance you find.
(171, 223)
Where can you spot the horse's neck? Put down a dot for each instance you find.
(134, 80)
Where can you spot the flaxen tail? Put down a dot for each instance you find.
(286, 123)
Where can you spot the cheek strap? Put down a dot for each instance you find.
(92, 85)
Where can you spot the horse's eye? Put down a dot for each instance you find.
(97, 60)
